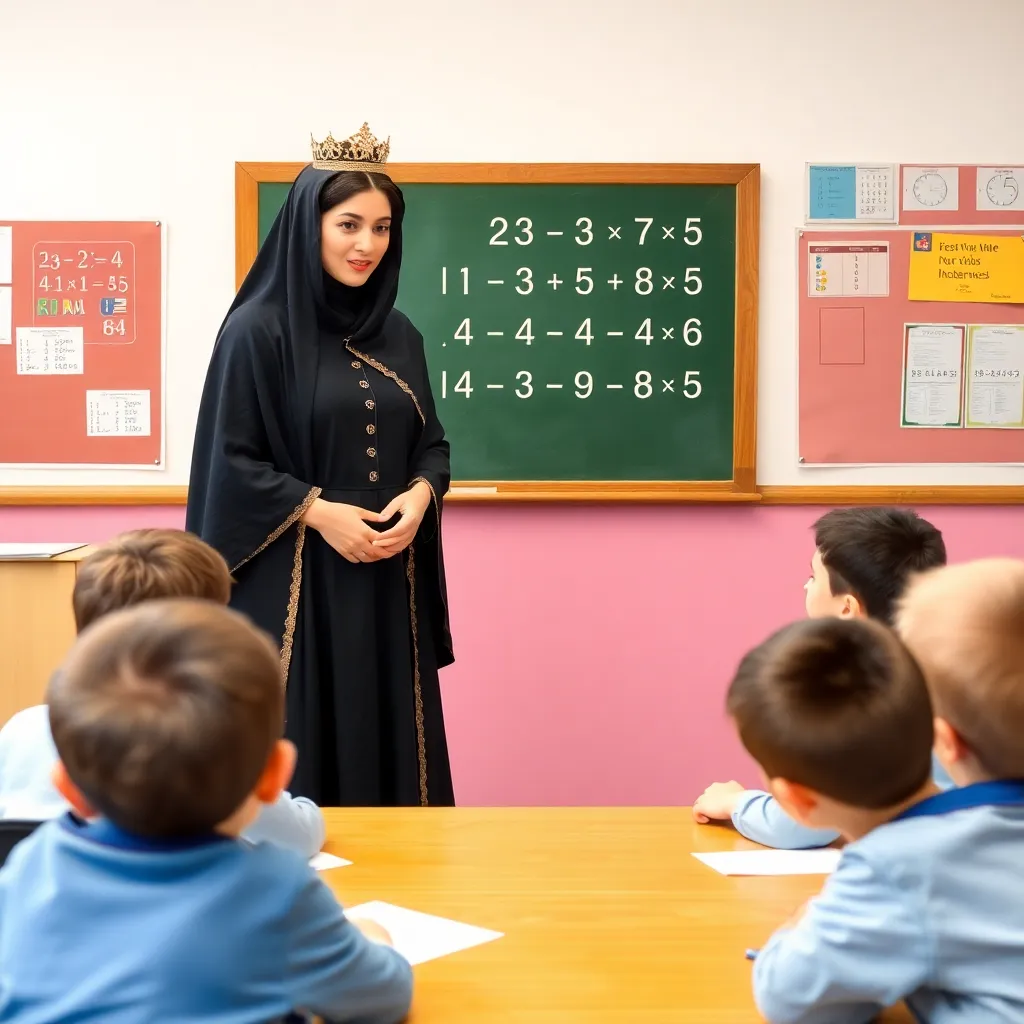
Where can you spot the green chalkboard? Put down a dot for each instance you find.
(583, 335)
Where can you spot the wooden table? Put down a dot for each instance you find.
(37, 626)
(607, 917)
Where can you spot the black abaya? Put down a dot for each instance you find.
(317, 390)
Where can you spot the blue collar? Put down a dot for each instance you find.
(998, 793)
(106, 833)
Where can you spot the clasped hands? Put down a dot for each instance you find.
(345, 527)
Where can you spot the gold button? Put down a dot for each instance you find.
(356, 365)
(364, 384)
(372, 452)
(374, 477)
(370, 428)
(369, 403)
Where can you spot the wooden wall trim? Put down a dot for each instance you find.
(872, 494)
(768, 495)
(160, 494)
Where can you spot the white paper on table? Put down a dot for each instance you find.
(51, 350)
(6, 253)
(422, 937)
(326, 861)
(772, 862)
(19, 551)
(6, 317)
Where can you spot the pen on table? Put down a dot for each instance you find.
(751, 954)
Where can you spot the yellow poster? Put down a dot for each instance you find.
(966, 268)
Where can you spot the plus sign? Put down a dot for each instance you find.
(555, 281)
(615, 281)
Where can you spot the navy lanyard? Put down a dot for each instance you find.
(997, 793)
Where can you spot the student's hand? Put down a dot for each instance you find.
(373, 931)
(344, 528)
(413, 505)
(717, 802)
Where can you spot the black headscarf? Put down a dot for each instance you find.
(288, 275)
(288, 269)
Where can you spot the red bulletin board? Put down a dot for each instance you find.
(851, 358)
(1004, 185)
(81, 343)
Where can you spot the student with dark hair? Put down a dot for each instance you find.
(865, 557)
(863, 560)
(318, 472)
(925, 905)
(135, 567)
(167, 719)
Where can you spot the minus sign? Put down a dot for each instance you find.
(614, 387)
(554, 387)
(496, 387)
(554, 334)
(495, 282)
(495, 334)
(615, 334)
(555, 234)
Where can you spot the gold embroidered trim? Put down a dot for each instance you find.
(421, 745)
(288, 639)
(437, 513)
(381, 368)
(298, 513)
(424, 480)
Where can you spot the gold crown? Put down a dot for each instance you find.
(359, 152)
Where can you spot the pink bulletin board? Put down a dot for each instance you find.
(81, 344)
(1003, 191)
(851, 356)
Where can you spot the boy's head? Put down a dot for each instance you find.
(144, 565)
(168, 719)
(863, 559)
(965, 626)
(837, 714)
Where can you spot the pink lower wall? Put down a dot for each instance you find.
(594, 645)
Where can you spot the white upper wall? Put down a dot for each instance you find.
(124, 109)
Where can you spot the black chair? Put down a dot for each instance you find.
(12, 832)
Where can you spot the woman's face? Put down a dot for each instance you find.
(354, 236)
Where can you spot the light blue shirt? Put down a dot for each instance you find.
(100, 926)
(27, 757)
(759, 817)
(928, 908)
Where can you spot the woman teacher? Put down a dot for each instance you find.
(318, 472)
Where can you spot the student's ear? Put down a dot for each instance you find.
(797, 801)
(950, 747)
(852, 608)
(277, 773)
(67, 789)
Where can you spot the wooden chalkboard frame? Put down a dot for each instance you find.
(746, 178)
